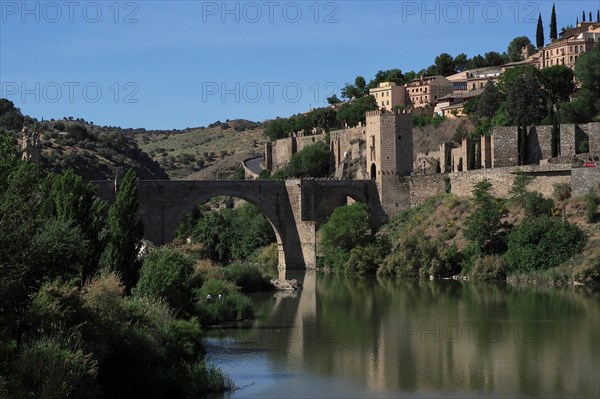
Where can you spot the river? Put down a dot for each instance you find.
(368, 338)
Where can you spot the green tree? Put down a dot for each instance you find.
(558, 85)
(354, 112)
(445, 64)
(539, 35)
(276, 129)
(515, 47)
(390, 75)
(518, 190)
(484, 225)
(10, 116)
(585, 107)
(356, 90)
(525, 100)
(347, 227)
(233, 234)
(214, 232)
(333, 100)
(494, 58)
(73, 201)
(553, 29)
(311, 161)
(166, 274)
(125, 232)
(461, 62)
(488, 103)
(323, 119)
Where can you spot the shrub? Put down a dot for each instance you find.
(536, 204)
(53, 367)
(231, 307)
(542, 243)
(484, 226)
(489, 268)
(413, 252)
(311, 161)
(591, 204)
(233, 234)
(248, 277)
(518, 190)
(589, 272)
(166, 274)
(447, 185)
(365, 259)
(347, 227)
(562, 191)
(268, 259)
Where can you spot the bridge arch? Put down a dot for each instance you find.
(271, 216)
(295, 208)
(164, 204)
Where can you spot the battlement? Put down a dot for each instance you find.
(377, 113)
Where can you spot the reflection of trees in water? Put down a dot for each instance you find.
(404, 334)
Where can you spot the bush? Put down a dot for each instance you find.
(489, 268)
(541, 243)
(248, 277)
(537, 205)
(365, 259)
(484, 226)
(166, 274)
(233, 234)
(591, 204)
(562, 191)
(268, 259)
(589, 272)
(52, 367)
(232, 306)
(347, 227)
(311, 161)
(413, 252)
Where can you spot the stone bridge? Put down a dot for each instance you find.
(295, 208)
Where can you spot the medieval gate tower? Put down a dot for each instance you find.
(389, 152)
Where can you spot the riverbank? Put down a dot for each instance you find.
(525, 240)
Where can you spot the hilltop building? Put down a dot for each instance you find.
(425, 91)
(570, 46)
(389, 95)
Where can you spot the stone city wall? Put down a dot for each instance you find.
(582, 179)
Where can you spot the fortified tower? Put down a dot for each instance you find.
(390, 155)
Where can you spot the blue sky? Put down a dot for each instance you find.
(178, 64)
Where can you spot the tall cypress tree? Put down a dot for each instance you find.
(553, 30)
(598, 16)
(125, 232)
(539, 36)
(583, 16)
(590, 19)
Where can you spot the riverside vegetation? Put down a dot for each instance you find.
(86, 312)
(527, 238)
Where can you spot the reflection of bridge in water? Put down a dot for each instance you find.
(410, 338)
(295, 208)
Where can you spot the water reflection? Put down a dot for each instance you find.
(385, 338)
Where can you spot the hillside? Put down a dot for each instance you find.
(214, 152)
(93, 152)
(436, 230)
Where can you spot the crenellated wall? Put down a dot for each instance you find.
(279, 153)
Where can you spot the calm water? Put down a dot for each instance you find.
(342, 338)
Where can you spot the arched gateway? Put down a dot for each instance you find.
(295, 208)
